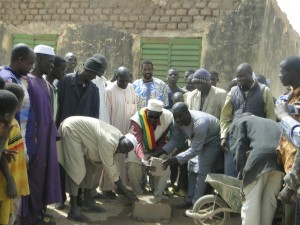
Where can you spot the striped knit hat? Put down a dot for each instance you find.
(201, 76)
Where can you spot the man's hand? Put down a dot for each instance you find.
(128, 194)
(9, 155)
(285, 196)
(169, 161)
(131, 196)
(223, 145)
(281, 110)
(146, 165)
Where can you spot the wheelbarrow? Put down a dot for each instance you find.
(216, 209)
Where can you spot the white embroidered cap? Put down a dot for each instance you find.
(132, 139)
(44, 49)
(155, 105)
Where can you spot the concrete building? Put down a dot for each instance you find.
(214, 34)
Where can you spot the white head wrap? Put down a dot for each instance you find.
(132, 139)
(155, 105)
(44, 49)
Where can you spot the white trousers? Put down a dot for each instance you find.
(135, 176)
(261, 199)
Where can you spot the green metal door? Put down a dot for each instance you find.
(33, 40)
(179, 53)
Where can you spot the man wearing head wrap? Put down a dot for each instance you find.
(41, 134)
(78, 96)
(86, 142)
(247, 96)
(150, 126)
(205, 97)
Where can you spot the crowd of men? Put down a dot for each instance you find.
(65, 129)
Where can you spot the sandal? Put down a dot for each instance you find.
(79, 218)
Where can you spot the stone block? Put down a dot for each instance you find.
(144, 18)
(165, 19)
(154, 18)
(84, 5)
(216, 13)
(213, 5)
(181, 12)
(151, 25)
(193, 12)
(159, 12)
(89, 11)
(46, 17)
(140, 25)
(23, 6)
(187, 5)
(74, 5)
(123, 18)
(60, 11)
(172, 26)
(42, 11)
(114, 18)
(176, 19)
(118, 24)
(117, 11)
(40, 5)
(39, 17)
(34, 11)
(133, 18)
(148, 211)
(107, 11)
(161, 26)
(182, 26)
(205, 12)
(170, 12)
(176, 5)
(187, 19)
(128, 24)
(65, 17)
(200, 5)
(53, 17)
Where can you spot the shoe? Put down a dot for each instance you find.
(46, 220)
(60, 206)
(98, 196)
(181, 193)
(170, 191)
(109, 195)
(184, 205)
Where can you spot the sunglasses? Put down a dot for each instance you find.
(153, 117)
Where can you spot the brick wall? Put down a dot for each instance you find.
(130, 15)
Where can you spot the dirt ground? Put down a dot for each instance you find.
(119, 211)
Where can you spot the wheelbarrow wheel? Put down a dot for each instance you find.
(206, 205)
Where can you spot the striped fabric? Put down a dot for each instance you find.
(18, 170)
(148, 132)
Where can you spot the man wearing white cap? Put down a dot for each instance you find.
(40, 137)
(86, 142)
(150, 126)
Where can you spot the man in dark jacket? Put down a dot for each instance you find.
(253, 144)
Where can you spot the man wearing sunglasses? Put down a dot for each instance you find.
(150, 126)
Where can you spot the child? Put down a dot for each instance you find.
(17, 168)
